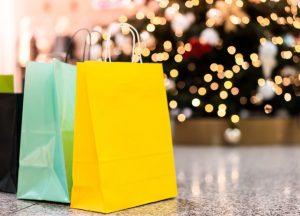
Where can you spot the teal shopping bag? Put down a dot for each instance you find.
(6, 83)
(45, 171)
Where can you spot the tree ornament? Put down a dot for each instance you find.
(180, 23)
(198, 49)
(266, 91)
(267, 54)
(209, 36)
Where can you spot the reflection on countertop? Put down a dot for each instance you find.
(211, 181)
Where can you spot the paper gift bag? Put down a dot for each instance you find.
(123, 153)
(6, 83)
(10, 130)
(47, 132)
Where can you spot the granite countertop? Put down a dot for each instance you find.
(211, 181)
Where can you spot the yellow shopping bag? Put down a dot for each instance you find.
(123, 154)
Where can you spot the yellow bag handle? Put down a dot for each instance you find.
(132, 30)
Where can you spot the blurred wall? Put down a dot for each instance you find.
(7, 37)
(50, 17)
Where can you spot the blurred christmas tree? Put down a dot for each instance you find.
(227, 58)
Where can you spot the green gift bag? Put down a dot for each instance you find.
(45, 171)
(6, 83)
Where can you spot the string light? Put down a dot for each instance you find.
(287, 97)
(209, 108)
(150, 27)
(235, 119)
(214, 86)
(223, 95)
(231, 50)
(228, 74)
(234, 91)
(196, 102)
(202, 91)
(173, 104)
(181, 117)
(214, 67)
(208, 78)
(228, 84)
(174, 73)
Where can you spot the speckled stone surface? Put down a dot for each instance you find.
(211, 181)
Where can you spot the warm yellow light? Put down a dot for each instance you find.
(274, 16)
(222, 106)
(223, 95)
(287, 97)
(209, 108)
(196, 102)
(286, 81)
(261, 82)
(228, 84)
(254, 57)
(213, 67)
(181, 117)
(208, 78)
(235, 119)
(150, 27)
(123, 19)
(231, 50)
(234, 91)
(236, 68)
(188, 47)
(221, 75)
(256, 63)
(245, 20)
(262, 40)
(173, 104)
(278, 80)
(163, 3)
(202, 91)
(167, 46)
(220, 68)
(145, 52)
(209, 1)
(174, 73)
(214, 86)
(278, 90)
(286, 54)
(181, 50)
(196, 2)
(178, 58)
(140, 15)
(221, 112)
(150, 15)
(189, 4)
(239, 3)
(228, 74)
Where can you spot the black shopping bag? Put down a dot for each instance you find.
(10, 131)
